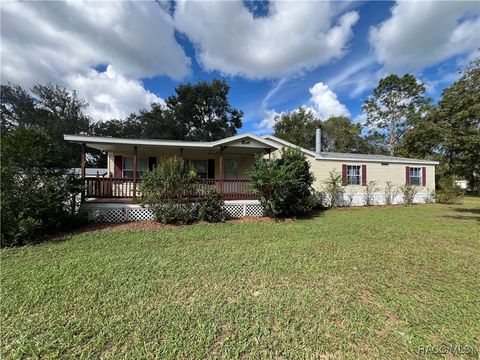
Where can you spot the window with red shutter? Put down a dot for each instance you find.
(364, 175)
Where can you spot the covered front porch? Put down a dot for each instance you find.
(223, 164)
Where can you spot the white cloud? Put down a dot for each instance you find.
(325, 103)
(61, 42)
(423, 33)
(111, 95)
(295, 36)
(268, 119)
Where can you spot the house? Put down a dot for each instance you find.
(225, 164)
(357, 170)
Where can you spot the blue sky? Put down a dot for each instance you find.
(327, 56)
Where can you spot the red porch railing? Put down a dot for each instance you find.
(118, 188)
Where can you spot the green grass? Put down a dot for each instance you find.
(364, 282)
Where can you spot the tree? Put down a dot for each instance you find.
(50, 108)
(36, 188)
(297, 127)
(202, 111)
(339, 134)
(17, 107)
(284, 185)
(458, 117)
(395, 101)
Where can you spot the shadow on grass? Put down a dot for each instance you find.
(470, 214)
(313, 214)
(471, 211)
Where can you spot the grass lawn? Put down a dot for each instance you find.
(363, 282)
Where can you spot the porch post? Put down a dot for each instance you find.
(135, 173)
(269, 152)
(222, 148)
(82, 170)
(181, 153)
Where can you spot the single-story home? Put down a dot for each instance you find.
(226, 164)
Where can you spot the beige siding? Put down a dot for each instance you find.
(393, 172)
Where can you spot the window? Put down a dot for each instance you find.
(231, 169)
(353, 174)
(201, 167)
(142, 165)
(416, 176)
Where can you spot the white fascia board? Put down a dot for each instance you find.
(152, 142)
(108, 140)
(289, 144)
(406, 161)
(243, 136)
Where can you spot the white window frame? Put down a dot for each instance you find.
(231, 172)
(411, 176)
(142, 166)
(350, 176)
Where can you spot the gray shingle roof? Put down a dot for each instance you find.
(354, 157)
(384, 158)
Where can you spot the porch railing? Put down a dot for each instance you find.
(118, 188)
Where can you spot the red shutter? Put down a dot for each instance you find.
(364, 175)
(344, 174)
(407, 175)
(424, 176)
(118, 165)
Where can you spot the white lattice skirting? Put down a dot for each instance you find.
(115, 212)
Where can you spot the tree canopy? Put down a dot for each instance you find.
(202, 111)
(451, 131)
(339, 134)
(50, 108)
(297, 127)
(394, 104)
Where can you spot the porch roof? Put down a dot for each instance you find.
(244, 143)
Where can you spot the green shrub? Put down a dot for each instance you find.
(390, 193)
(175, 213)
(369, 193)
(449, 192)
(211, 207)
(169, 191)
(409, 191)
(333, 189)
(36, 188)
(284, 185)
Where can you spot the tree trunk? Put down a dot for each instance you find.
(392, 138)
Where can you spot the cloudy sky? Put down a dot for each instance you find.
(276, 56)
